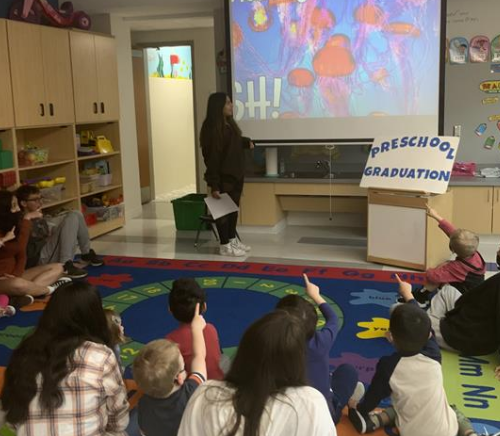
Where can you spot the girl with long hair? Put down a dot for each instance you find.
(223, 152)
(64, 379)
(265, 392)
(15, 279)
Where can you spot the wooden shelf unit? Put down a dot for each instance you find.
(39, 68)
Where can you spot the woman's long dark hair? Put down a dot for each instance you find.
(7, 218)
(212, 130)
(73, 315)
(270, 358)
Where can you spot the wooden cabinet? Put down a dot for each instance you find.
(95, 74)
(38, 108)
(40, 68)
(473, 208)
(6, 108)
(495, 219)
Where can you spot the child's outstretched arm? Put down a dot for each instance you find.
(198, 363)
(312, 291)
(444, 225)
(404, 289)
(326, 336)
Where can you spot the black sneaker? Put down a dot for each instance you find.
(361, 424)
(19, 301)
(73, 272)
(58, 284)
(92, 258)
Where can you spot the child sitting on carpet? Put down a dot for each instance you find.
(465, 272)
(160, 372)
(413, 378)
(343, 383)
(185, 294)
(117, 334)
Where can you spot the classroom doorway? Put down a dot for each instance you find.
(170, 124)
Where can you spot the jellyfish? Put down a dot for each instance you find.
(303, 80)
(401, 28)
(369, 13)
(259, 19)
(333, 64)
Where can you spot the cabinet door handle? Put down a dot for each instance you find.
(42, 109)
(102, 107)
(95, 107)
(51, 109)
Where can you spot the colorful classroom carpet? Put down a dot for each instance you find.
(239, 293)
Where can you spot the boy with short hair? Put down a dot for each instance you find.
(160, 372)
(55, 239)
(413, 378)
(466, 271)
(184, 296)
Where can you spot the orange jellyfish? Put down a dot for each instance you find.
(400, 28)
(236, 35)
(380, 75)
(322, 18)
(338, 40)
(369, 14)
(301, 78)
(334, 61)
(259, 19)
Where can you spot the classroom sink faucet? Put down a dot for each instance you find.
(326, 166)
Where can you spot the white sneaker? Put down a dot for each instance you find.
(230, 250)
(357, 395)
(57, 284)
(236, 243)
(7, 311)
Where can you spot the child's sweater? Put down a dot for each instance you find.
(463, 274)
(318, 353)
(13, 253)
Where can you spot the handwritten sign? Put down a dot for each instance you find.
(411, 163)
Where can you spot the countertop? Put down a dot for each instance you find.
(455, 181)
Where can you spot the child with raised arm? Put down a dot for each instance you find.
(160, 372)
(468, 268)
(413, 378)
(340, 386)
(185, 294)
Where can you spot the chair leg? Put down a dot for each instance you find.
(214, 231)
(198, 234)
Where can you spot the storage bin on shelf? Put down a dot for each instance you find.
(50, 195)
(106, 213)
(105, 179)
(7, 179)
(89, 183)
(187, 211)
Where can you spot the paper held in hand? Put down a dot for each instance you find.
(221, 207)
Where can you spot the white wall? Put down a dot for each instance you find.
(173, 139)
(202, 41)
(128, 137)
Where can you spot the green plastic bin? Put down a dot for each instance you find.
(187, 211)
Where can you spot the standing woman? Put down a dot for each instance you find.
(64, 379)
(222, 146)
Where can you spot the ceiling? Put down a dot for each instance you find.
(155, 14)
